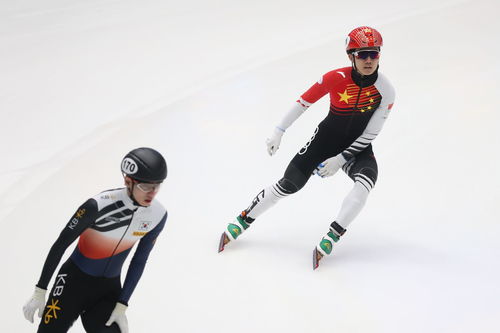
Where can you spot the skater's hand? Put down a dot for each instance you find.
(330, 166)
(118, 316)
(273, 143)
(36, 302)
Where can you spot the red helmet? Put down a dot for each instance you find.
(362, 37)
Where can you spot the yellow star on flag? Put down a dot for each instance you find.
(371, 100)
(369, 108)
(344, 97)
(367, 93)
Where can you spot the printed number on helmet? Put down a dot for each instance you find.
(129, 166)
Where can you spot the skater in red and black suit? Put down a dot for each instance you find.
(361, 98)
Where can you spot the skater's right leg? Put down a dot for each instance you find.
(292, 181)
(66, 300)
(296, 175)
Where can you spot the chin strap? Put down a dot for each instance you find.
(354, 64)
(131, 195)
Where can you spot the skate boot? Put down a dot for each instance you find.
(325, 246)
(235, 229)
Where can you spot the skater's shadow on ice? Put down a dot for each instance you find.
(386, 252)
(392, 252)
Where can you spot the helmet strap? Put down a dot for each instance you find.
(131, 195)
(353, 62)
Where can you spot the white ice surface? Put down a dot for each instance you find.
(83, 82)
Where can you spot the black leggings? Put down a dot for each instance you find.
(321, 147)
(77, 294)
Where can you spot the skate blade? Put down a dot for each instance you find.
(223, 241)
(316, 258)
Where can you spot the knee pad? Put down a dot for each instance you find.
(288, 187)
(293, 180)
(367, 177)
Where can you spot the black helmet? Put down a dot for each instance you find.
(145, 165)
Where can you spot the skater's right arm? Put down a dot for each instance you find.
(85, 215)
(313, 94)
(81, 220)
(274, 140)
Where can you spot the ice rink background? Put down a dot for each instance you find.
(82, 83)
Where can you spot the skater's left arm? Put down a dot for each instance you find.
(373, 128)
(139, 260)
(375, 125)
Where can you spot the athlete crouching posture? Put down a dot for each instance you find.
(108, 225)
(360, 101)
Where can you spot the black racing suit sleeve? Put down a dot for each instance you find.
(139, 260)
(83, 218)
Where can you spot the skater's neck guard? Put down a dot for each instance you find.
(363, 80)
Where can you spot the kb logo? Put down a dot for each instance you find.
(54, 307)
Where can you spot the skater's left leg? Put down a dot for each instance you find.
(95, 317)
(351, 206)
(363, 171)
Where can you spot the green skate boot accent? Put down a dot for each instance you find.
(237, 226)
(326, 245)
(333, 236)
(242, 222)
(234, 230)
